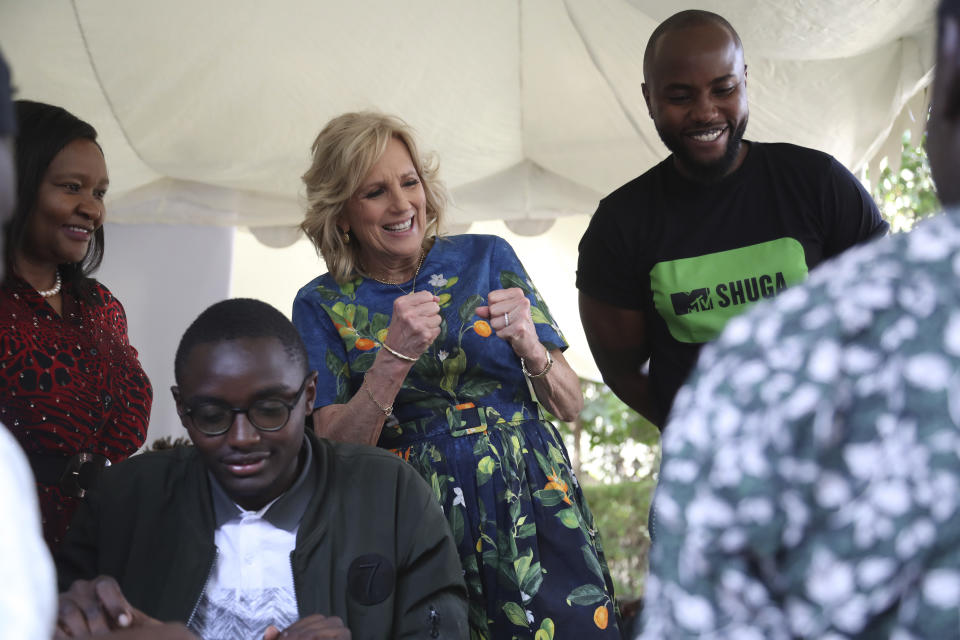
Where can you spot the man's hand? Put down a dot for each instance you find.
(309, 628)
(96, 607)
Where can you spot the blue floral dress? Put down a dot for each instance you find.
(466, 420)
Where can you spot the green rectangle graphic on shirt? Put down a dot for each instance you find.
(697, 296)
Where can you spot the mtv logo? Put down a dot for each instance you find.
(696, 300)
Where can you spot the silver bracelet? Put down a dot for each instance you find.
(397, 353)
(523, 365)
(386, 410)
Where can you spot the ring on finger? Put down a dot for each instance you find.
(506, 318)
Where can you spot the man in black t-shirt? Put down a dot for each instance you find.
(722, 222)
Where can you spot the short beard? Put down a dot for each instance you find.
(711, 172)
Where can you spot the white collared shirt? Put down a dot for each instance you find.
(251, 584)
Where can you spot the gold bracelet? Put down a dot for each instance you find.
(386, 410)
(523, 365)
(397, 353)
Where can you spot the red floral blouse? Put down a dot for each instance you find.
(69, 384)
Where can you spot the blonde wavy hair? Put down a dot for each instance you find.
(343, 153)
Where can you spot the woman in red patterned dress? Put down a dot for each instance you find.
(71, 387)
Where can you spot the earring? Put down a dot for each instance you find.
(346, 237)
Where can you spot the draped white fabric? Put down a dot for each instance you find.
(207, 108)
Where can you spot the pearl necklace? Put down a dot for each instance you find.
(397, 284)
(49, 293)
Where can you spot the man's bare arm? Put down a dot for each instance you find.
(618, 341)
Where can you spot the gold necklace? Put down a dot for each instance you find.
(397, 284)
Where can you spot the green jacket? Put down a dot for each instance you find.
(150, 525)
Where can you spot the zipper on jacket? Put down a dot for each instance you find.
(203, 591)
(293, 578)
(434, 622)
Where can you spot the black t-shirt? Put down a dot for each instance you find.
(690, 256)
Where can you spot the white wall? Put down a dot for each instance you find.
(165, 276)
(272, 275)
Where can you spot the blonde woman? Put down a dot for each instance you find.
(425, 346)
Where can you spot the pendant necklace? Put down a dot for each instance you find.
(397, 284)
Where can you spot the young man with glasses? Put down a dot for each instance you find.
(261, 526)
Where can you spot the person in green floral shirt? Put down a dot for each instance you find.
(442, 350)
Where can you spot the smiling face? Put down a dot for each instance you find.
(69, 206)
(387, 214)
(252, 466)
(696, 92)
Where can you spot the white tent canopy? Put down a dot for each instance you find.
(206, 108)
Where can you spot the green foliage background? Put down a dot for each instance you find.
(906, 195)
(620, 513)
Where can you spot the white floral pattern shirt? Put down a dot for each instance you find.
(811, 468)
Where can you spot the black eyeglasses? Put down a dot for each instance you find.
(214, 418)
